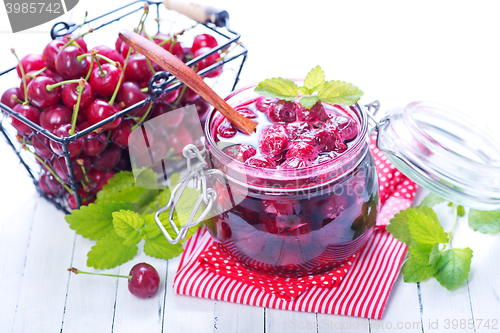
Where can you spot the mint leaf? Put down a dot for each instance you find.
(424, 229)
(314, 79)
(432, 200)
(398, 227)
(435, 254)
(461, 211)
(427, 211)
(160, 248)
(150, 229)
(305, 91)
(127, 225)
(308, 101)
(339, 92)
(122, 187)
(278, 87)
(455, 268)
(110, 252)
(95, 220)
(164, 197)
(485, 221)
(417, 267)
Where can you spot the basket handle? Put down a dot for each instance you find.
(198, 12)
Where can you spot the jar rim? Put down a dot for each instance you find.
(355, 151)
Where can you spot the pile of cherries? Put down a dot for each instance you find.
(289, 136)
(71, 86)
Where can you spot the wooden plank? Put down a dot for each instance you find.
(342, 324)
(90, 299)
(134, 314)
(45, 279)
(290, 321)
(186, 313)
(234, 317)
(402, 310)
(15, 231)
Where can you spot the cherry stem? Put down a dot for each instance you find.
(143, 117)
(150, 66)
(51, 87)
(77, 271)
(14, 97)
(145, 33)
(92, 58)
(166, 40)
(181, 94)
(102, 73)
(34, 75)
(74, 40)
(80, 163)
(122, 74)
(22, 75)
(42, 162)
(83, 56)
(145, 89)
(77, 107)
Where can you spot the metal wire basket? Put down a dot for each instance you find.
(60, 178)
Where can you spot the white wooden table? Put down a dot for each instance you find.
(444, 52)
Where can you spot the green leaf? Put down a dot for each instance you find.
(174, 179)
(435, 254)
(150, 229)
(278, 87)
(485, 221)
(308, 101)
(424, 229)
(461, 211)
(160, 248)
(432, 200)
(455, 268)
(305, 91)
(164, 197)
(127, 225)
(314, 79)
(110, 252)
(398, 227)
(95, 220)
(339, 92)
(427, 211)
(122, 187)
(417, 267)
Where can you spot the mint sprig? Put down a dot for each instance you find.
(122, 217)
(315, 89)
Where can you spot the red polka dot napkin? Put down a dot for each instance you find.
(360, 287)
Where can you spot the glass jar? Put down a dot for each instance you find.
(293, 222)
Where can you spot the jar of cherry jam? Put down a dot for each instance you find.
(302, 189)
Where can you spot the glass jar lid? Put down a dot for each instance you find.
(445, 151)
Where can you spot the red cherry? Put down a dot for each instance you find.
(240, 152)
(295, 163)
(67, 64)
(39, 96)
(129, 94)
(273, 140)
(323, 158)
(118, 45)
(50, 53)
(49, 185)
(208, 61)
(31, 62)
(52, 74)
(104, 83)
(202, 108)
(226, 130)
(28, 78)
(313, 115)
(42, 146)
(189, 96)
(69, 96)
(263, 104)
(246, 112)
(327, 139)
(62, 171)
(171, 97)
(99, 110)
(94, 143)
(295, 130)
(108, 52)
(203, 40)
(79, 41)
(137, 68)
(108, 158)
(30, 112)
(7, 97)
(262, 161)
(74, 148)
(86, 198)
(302, 150)
(121, 134)
(176, 49)
(346, 127)
(144, 282)
(99, 178)
(54, 117)
(282, 111)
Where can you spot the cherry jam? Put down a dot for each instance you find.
(300, 194)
